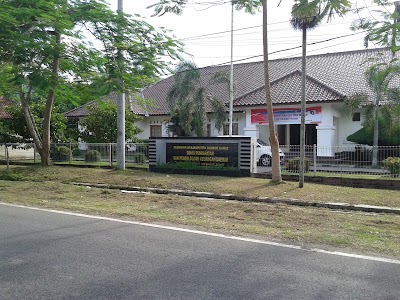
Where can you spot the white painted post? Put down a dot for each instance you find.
(315, 159)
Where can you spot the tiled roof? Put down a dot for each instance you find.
(82, 111)
(3, 103)
(334, 74)
(330, 77)
(288, 90)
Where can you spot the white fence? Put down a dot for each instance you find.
(76, 153)
(354, 159)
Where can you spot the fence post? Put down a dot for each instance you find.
(7, 157)
(315, 159)
(110, 153)
(70, 152)
(34, 153)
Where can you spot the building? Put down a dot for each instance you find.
(330, 79)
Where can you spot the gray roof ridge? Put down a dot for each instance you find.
(79, 107)
(248, 93)
(326, 86)
(308, 56)
(263, 86)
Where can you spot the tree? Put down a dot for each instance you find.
(15, 129)
(385, 33)
(100, 125)
(187, 101)
(380, 77)
(46, 43)
(250, 6)
(306, 15)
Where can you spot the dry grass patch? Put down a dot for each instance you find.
(255, 187)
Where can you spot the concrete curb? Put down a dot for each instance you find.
(295, 202)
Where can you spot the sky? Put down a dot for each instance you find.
(205, 31)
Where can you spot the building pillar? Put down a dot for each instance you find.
(326, 136)
(251, 131)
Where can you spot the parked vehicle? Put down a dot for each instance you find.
(264, 153)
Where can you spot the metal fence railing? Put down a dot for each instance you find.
(355, 159)
(76, 153)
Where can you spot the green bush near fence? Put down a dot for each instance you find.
(92, 156)
(393, 165)
(61, 153)
(293, 165)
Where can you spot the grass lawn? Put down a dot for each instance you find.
(350, 231)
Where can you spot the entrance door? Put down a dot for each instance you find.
(311, 134)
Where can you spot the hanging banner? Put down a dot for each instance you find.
(287, 115)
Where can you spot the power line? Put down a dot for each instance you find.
(283, 50)
(258, 26)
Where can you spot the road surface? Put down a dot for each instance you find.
(48, 255)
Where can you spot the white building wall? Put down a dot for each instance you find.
(333, 130)
(145, 123)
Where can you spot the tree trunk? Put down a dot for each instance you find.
(30, 123)
(376, 130)
(45, 153)
(303, 108)
(276, 168)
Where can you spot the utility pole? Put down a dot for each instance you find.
(120, 114)
(231, 78)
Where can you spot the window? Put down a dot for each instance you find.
(208, 129)
(235, 129)
(155, 130)
(356, 117)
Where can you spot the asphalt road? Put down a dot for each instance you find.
(45, 255)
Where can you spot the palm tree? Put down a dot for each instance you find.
(379, 77)
(187, 100)
(307, 16)
(273, 138)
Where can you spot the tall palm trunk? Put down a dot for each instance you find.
(276, 169)
(303, 107)
(376, 130)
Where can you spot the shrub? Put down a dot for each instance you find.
(393, 165)
(92, 156)
(61, 153)
(294, 164)
(139, 158)
(76, 151)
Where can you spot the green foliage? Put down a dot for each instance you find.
(382, 31)
(393, 165)
(293, 165)
(46, 48)
(187, 100)
(92, 156)
(176, 6)
(389, 133)
(15, 130)
(61, 153)
(100, 125)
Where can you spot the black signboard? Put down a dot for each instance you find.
(224, 155)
